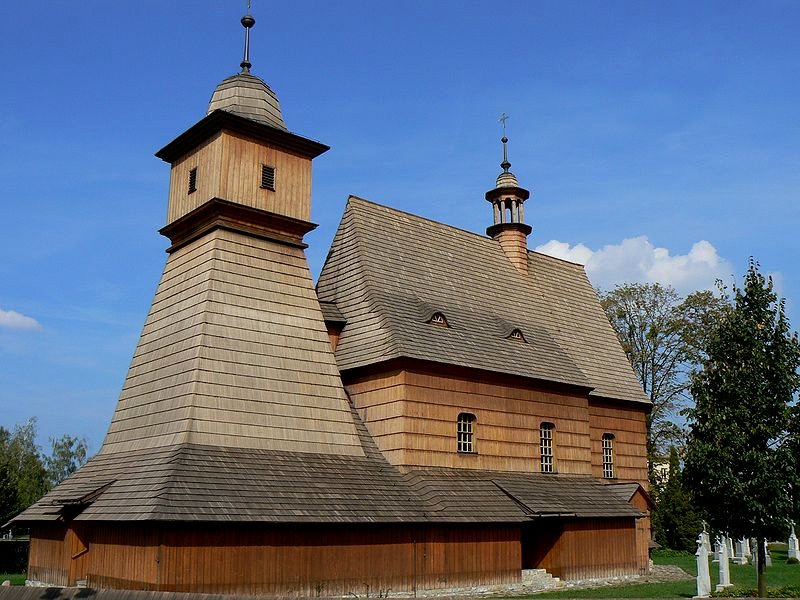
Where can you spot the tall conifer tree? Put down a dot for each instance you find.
(739, 464)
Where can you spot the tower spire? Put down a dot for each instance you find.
(505, 164)
(247, 22)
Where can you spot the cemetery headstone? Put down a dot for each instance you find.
(724, 569)
(794, 551)
(703, 576)
(741, 552)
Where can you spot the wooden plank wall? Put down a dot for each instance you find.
(123, 556)
(643, 532)
(627, 422)
(288, 560)
(582, 548)
(412, 415)
(47, 560)
(229, 167)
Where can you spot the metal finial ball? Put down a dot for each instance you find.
(504, 139)
(248, 21)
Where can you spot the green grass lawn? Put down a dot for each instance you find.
(782, 579)
(15, 578)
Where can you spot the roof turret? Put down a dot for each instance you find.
(507, 199)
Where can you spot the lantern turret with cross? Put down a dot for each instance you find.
(507, 199)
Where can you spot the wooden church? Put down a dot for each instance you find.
(443, 409)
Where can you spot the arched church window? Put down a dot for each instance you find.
(466, 432)
(547, 447)
(608, 456)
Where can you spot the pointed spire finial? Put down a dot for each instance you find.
(247, 21)
(505, 164)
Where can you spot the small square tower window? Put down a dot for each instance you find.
(193, 180)
(268, 177)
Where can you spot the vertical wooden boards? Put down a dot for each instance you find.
(643, 527)
(582, 548)
(301, 560)
(229, 167)
(48, 560)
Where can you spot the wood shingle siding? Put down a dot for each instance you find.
(234, 353)
(629, 428)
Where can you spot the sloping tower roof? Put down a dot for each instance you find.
(248, 96)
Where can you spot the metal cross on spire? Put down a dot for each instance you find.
(247, 21)
(503, 118)
(505, 164)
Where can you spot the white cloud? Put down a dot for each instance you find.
(13, 320)
(638, 260)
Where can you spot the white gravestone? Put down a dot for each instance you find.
(794, 551)
(724, 568)
(703, 576)
(718, 543)
(767, 555)
(741, 552)
(729, 541)
(706, 540)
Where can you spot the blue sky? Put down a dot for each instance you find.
(661, 141)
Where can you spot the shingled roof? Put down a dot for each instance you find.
(196, 483)
(388, 271)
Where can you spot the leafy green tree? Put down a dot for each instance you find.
(739, 464)
(675, 521)
(663, 336)
(8, 491)
(67, 456)
(25, 464)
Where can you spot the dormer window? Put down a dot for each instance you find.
(438, 319)
(516, 335)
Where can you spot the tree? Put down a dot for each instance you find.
(25, 464)
(739, 464)
(663, 337)
(8, 491)
(67, 456)
(25, 475)
(675, 522)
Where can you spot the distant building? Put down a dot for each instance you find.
(444, 409)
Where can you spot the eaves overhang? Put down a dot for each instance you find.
(221, 120)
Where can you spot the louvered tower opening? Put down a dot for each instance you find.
(268, 177)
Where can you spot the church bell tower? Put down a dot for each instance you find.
(234, 352)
